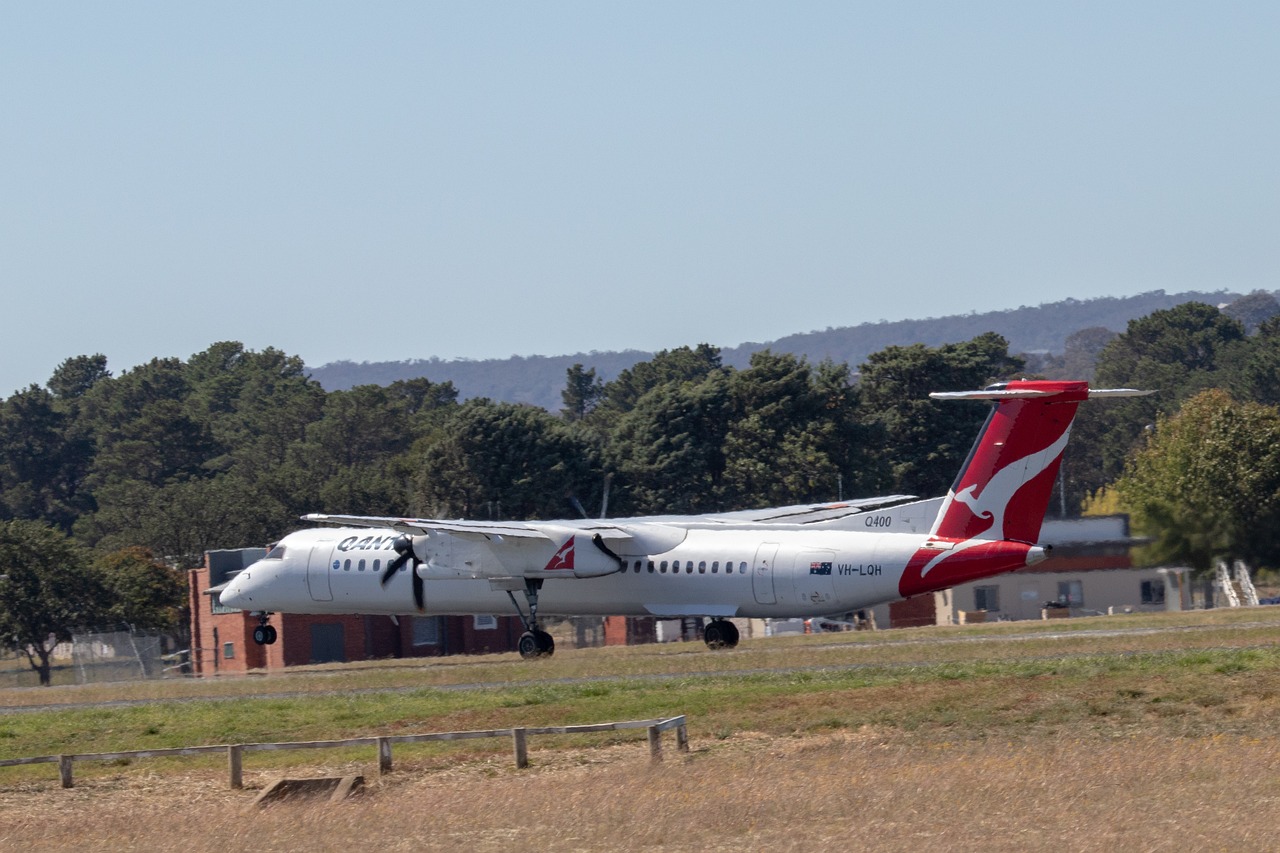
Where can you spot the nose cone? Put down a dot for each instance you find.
(239, 591)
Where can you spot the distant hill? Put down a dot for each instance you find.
(538, 380)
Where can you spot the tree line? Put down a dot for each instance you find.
(169, 459)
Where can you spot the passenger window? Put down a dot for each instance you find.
(377, 564)
(688, 567)
(346, 565)
(651, 567)
(715, 567)
(360, 567)
(728, 567)
(662, 567)
(742, 568)
(702, 567)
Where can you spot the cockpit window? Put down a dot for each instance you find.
(276, 553)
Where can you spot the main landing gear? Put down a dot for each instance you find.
(720, 634)
(534, 642)
(264, 634)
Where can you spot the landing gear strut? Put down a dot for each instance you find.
(264, 634)
(534, 642)
(720, 634)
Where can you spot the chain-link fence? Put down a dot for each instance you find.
(92, 658)
(116, 656)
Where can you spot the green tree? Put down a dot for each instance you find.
(47, 589)
(182, 520)
(669, 366)
(1177, 352)
(1259, 367)
(143, 592)
(582, 392)
(504, 461)
(43, 460)
(668, 451)
(77, 375)
(924, 442)
(1207, 484)
(780, 445)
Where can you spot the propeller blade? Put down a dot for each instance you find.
(404, 547)
(418, 597)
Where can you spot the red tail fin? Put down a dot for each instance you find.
(1003, 490)
(990, 520)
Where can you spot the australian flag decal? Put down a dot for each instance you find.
(819, 568)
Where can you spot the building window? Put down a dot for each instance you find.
(1153, 592)
(217, 607)
(486, 623)
(426, 630)
(229, 651)
(986, 598)
(1071, 593)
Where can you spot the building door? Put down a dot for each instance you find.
(318, 570)
(762, 574)
(327, 643)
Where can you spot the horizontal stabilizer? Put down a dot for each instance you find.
(1030, 393)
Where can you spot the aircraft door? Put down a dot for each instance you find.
(318, 570)
(813, 577)
(762, 573)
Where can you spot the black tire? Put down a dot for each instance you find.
(720, 634)
(731, 635)
(260, 635)
(271, 635)
(713, 635)
(528, 646)
(546, 643)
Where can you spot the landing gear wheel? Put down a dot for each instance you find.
(720, 634)
(536, 644)
(264, 633)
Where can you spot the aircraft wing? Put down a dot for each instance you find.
(491, 530)
(808, 513)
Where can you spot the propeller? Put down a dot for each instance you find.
(403, 546)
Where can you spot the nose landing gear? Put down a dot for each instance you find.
(264, 633)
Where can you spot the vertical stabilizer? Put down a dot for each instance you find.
(990, 520)
(1003, 490)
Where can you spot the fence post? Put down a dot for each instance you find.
(682, 737)
(64, 770)
(655, 744)
(235, 754)
(520, 742)
(384, 756)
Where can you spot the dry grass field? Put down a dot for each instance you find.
(1141, 733)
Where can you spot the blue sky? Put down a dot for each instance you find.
(379, 181)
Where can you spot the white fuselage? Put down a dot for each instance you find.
(777, 572)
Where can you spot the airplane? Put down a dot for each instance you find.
(784, 562)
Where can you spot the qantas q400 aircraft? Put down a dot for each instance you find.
(785, 562)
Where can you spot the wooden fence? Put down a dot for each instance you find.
(235, 752)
